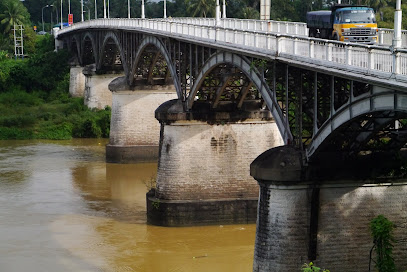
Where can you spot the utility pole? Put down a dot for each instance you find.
(397, 25)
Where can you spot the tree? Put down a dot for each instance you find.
(201, 8)
(14, 14)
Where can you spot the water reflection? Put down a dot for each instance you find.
(63, 208)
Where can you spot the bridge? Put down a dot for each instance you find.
(256, 85)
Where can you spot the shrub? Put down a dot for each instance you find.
(382, 231)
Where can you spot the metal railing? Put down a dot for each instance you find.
(381, 61)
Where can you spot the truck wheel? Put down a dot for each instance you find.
(312, 32)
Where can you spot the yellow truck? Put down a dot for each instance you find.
(346, 23)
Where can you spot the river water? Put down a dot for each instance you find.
(63, 208)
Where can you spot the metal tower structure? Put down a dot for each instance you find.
(18, 41)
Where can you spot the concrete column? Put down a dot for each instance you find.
(203, 172)
(97, 94)
(76, 82)
(134, 131)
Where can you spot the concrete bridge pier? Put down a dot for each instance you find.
(97, 94)
(304, 217)
(76, 81)
(203, 172)
(134, 131)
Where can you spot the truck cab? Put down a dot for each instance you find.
(354, 24)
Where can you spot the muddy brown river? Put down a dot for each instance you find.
(63, 208)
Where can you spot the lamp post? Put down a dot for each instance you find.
(81, 10)
(397, 25)
(96, 11)
(128, 9)
(104, 9)
(142, 10)
(42, 15)
(62, 25)
(165, 9)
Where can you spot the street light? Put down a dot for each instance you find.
(42, 15)
(96, 10)
(81, 10)
(62, 26)
(397, 25)
(165, 9)
(128, 9)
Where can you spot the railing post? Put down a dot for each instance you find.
(295, 40)
(348, 55)
(296, 29)
(311, 49)
(256, 39)
(329, 52)
(396, 62)
(381, 36)
(371, 59)
(279, 46)
(278, 27)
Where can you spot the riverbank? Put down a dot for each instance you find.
(35, 101)
(33, 116)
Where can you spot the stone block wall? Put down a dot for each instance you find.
(343, 236)
(133, 121)
(97, 93)
(76, 82)
(203, 161)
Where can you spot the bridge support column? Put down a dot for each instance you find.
(97, 94)
(203, 172)
(134, 131)
(76, 81)
(324, 221)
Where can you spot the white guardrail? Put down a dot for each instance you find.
(367, 59)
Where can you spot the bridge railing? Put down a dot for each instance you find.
(366, 59)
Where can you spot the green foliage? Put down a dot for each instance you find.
(382, 232)
(312, 268)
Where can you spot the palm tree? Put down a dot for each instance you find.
(14, 14)
(377, 5)
(250, 13)
(201, 8)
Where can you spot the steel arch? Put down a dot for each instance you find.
(94, 46)
(113, 36)
(378, 100)
(151, 40)
(252, 74)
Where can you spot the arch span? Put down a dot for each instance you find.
(254, 76)
(112, 36)
(89, 36)
(381, 103)
(150, 40)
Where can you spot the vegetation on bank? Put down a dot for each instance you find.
(35, 101)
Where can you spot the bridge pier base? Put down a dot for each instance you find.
(76, 81)
(97, 94)
(325, 221)
(134, 131)
(203, 171)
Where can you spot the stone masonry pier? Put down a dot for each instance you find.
(134, 131)
(302, 219)
(203, 172)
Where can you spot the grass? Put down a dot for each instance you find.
(34, 116)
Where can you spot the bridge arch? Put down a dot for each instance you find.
(150, 40)
(383, 106)
(244, 65)
(88, 37)
(112, 36)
